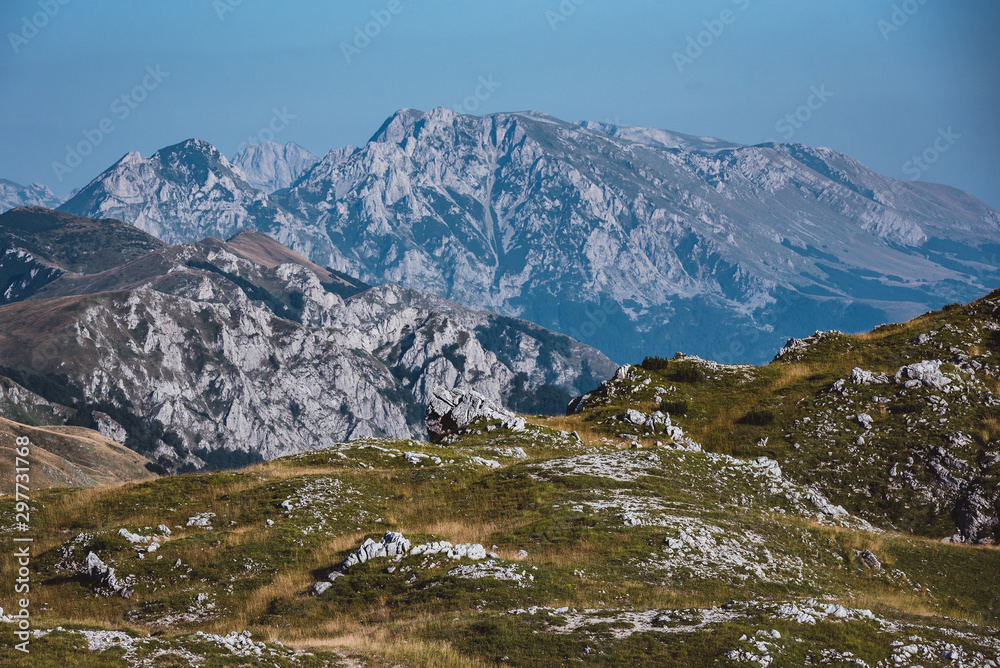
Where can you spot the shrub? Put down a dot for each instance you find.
(674, 407)
(687, 372)
(759, 418)
(655, 364)
(905, 407)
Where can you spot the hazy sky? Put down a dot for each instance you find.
(886, 80)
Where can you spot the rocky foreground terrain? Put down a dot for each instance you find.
(837, 507)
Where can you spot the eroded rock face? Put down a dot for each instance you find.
(453, 411)
(977, 515)
(207, 353)
(392, 544)
(269, 166)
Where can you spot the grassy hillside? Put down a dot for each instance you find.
(74, 244)
(64, 456)
(902, 452)
(599, 555)
(609, 536)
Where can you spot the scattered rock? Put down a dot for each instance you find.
(638, 418)
(975, 515)
(926, 373)
(464, 550)
(453, 411)
(869, 559)
(861, 377)
(103, 577)
(392, 544)
(491, 569)
(203, 520)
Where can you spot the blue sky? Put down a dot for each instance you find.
(893, 74)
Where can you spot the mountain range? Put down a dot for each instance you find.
(634, 240)
(226, 352)
(14, 194)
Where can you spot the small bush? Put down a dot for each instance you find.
(687, 372)
(906, 407)
(655, 364)
(674, 407)
(759, 418)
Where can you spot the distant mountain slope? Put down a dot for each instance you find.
(264, 250)
(269, 166)
(37, 245)
(226, 354)
(634, 240)
(680, 241)
(13, 195)
(69, 457)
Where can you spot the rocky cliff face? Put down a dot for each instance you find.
(182, 193)
(593, 230)
(269, 166)
(213, 352)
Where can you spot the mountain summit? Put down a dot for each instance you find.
(269, 166)
(183, 192)
(634, 240)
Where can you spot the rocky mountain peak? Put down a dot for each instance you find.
(13, 195)
(592, 229)
(269, 166)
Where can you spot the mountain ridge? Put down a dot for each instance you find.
(249, 350)
(591, 229)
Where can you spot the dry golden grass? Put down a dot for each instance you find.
(370, 640)
(990, 429)
(884, 333)
(791, 374)
(452, 529)
(569, 424)
(877, 596)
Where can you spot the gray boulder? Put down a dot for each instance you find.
(976, 515)
(926, 373)
(103, 578)
(452, 411)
